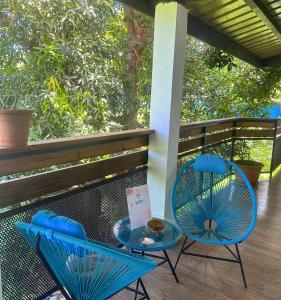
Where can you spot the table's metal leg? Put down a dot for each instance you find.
(171, 266)
(180, 253)
(165, 259)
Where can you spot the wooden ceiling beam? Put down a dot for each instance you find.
(260, 9)
(204, 32)
(144, 6)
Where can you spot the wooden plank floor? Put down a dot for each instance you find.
(209, 279)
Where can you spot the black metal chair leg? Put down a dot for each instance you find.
(137, 288)
(171, 266)
(182, 247)
(241, 266)
(144, 289)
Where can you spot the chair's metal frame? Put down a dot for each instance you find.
(144, 294)
(236, 256)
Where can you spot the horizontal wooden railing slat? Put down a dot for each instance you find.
(188, 145)
(218, 137)
(62, 156)
(190, 132)
(18, 190)
(223, 126)
(254, 133)
(208, 123)
(255, 124)
(74, 141)
(44, 154)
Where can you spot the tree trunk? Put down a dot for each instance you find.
(138, 36)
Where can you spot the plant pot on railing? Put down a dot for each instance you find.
(14, 127)
(251, 168)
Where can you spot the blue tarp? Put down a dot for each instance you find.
(271, 111)
(275, 111)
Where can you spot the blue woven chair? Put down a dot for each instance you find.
(213, 202)
(83, 269)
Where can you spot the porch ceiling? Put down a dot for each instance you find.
(248, 29)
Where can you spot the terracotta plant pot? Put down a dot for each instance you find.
(251, 168)
(14, 127)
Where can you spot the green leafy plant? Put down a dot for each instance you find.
(85, 67)
(217, 58)
(243, 154)
(242, 150)
(11, 90)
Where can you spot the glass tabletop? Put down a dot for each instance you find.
(144, 239)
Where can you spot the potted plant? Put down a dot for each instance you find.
(251, 168)
(14, 120)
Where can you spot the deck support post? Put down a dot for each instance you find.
(167, 85)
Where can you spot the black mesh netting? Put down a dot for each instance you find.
(224, 150)
(98, 207)
(258, 150)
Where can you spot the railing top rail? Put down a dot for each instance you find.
(200, 124)
(73, 142)
(206, 123)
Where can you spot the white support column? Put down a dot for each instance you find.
(167, 80)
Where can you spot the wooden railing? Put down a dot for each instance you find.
(126, 150)
(92, 158)
(199, 136)
(101, 202)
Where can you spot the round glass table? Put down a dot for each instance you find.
(143, 240)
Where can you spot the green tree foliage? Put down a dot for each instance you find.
(69, 56)
(217, 85)
(85, 66)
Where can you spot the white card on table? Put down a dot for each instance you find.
(138, 205)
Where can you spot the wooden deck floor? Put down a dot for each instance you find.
(209, 279)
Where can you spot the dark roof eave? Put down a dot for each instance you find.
(206, 33)
(273, 62)
(203, 32)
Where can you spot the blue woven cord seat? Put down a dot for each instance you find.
(213, 202)
(85, 269)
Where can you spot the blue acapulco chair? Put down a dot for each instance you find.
(213, 202)
(82, 269)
